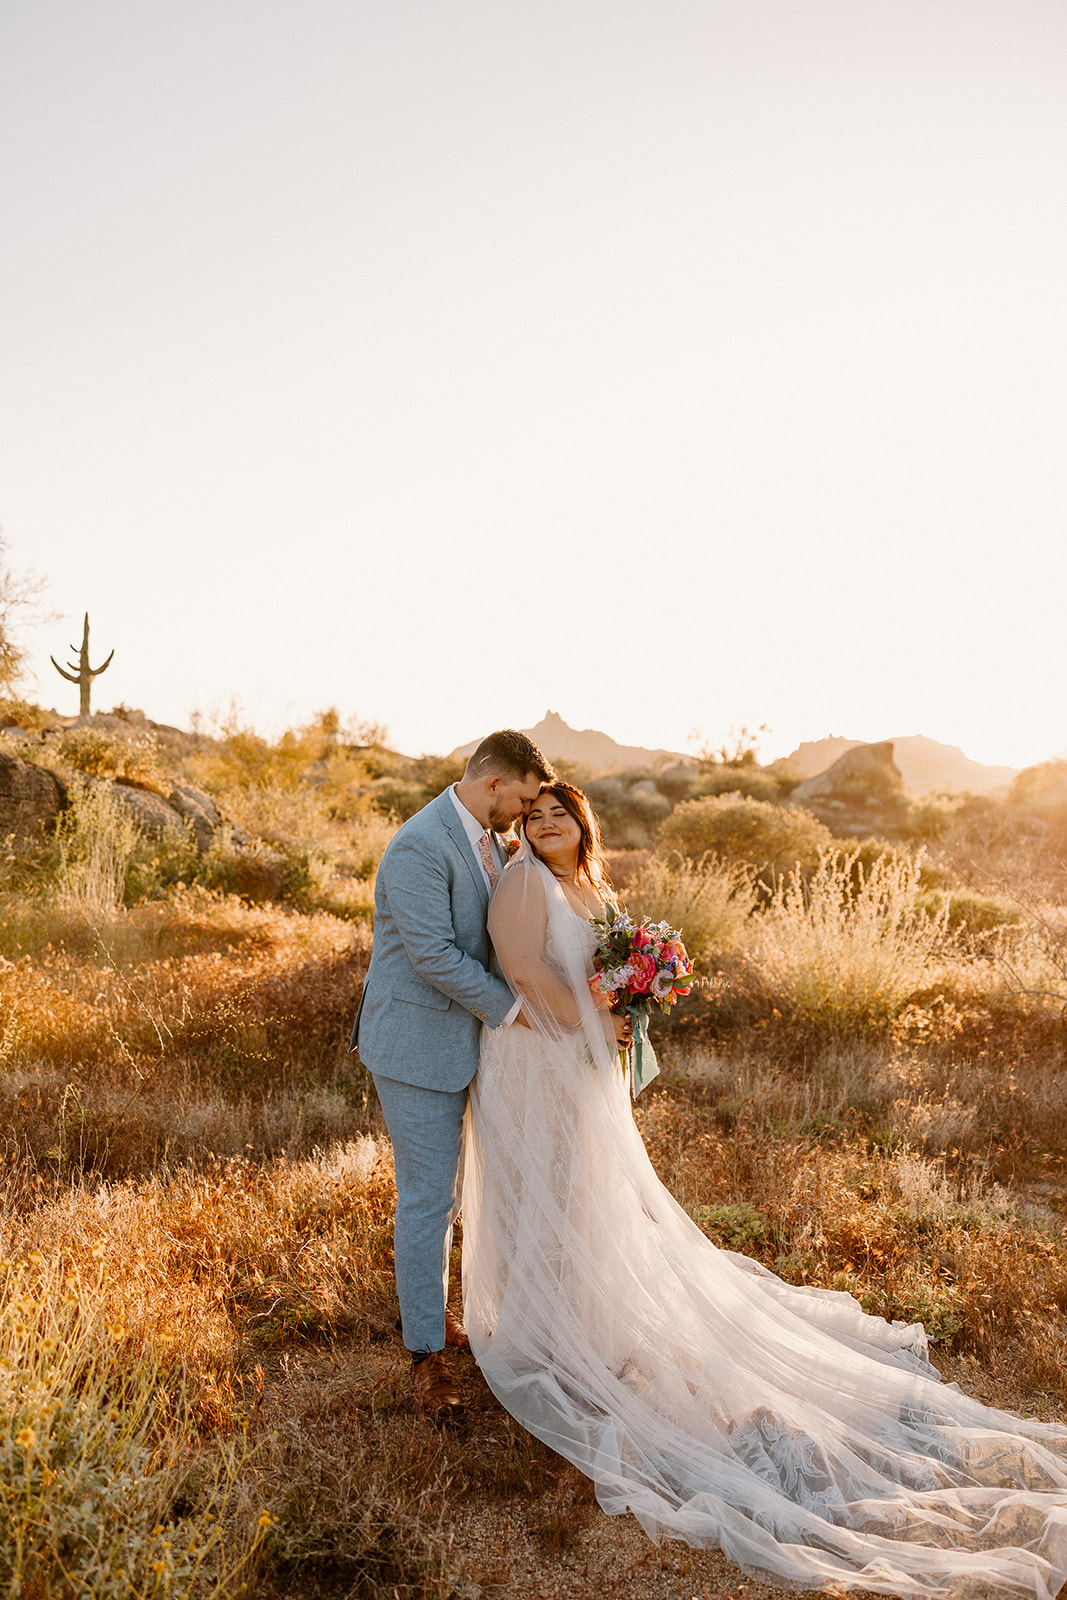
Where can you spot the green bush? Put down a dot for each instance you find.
(970, 912)
(753, 782)
(773, 839)
(737, 1227)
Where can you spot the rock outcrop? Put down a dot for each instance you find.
(149, 810)
(185, 804)
(30, 797)
(197, 808)
(863, 792)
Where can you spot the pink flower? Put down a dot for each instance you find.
(662, 983)
(643, 970)
(641, 939)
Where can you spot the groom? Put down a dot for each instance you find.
(428, 990)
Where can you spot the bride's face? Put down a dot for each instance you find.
(553, 832)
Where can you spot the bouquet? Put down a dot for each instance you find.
(639, 965)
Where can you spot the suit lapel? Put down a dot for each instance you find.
(450, 818)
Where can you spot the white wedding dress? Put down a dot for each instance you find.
(812, 1443)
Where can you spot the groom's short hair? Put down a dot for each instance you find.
(508, 754)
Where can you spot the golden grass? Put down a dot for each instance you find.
(196, 1197)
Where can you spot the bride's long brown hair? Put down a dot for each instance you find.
(592, 865)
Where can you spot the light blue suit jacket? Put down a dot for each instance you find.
(429, 987)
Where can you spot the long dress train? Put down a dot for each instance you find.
(814, 1444)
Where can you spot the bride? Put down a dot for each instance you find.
(815, 1445)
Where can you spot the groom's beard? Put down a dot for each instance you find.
(499, 820)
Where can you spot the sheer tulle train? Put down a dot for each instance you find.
(812, 1443)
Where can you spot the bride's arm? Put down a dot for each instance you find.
(518, 919)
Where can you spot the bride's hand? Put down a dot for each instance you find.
(624, 1030)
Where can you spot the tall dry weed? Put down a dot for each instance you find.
(97, 842)
(844, 957)
(711, 901)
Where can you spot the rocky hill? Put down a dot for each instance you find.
(926, 766)
(597, 752)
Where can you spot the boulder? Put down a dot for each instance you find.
(150, 811)
(862, 791)
(198, 809)
(30, 797)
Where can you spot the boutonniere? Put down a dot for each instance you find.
(511, 847)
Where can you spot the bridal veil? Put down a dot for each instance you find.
(814, 1444)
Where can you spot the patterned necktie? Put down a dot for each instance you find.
(485, 853)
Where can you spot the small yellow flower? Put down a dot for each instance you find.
(36, 1257)
(19, 1329)
(97, 1252)
(157, 1529)
(159, 1566)
(265, 1520)
(26, 1438)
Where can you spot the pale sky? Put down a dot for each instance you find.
(669, 363)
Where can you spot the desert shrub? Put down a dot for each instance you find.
(846, 960)
(629, 807)
(1042, 789)
(91, 1452)
(413, 784)
(737, 1227)
(97, 842)
(773, 839)
(709, 900)
(753, 782)
(315, 755)
(677, 782)
(932, 818)
(158, 864)
(366, 844)
(100, 754)
(969, 912)
(16, 713)
(263, 869)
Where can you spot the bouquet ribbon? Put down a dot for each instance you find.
(645, 1065)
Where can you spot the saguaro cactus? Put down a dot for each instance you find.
(82, 674)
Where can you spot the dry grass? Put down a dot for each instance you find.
(711, 899)
(196, 1197)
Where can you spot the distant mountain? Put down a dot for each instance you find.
(926, 766)
(587, 748)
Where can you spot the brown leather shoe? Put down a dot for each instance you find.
(455, 1333)
(434, 1390)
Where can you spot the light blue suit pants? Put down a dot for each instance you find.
(426, 1129)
